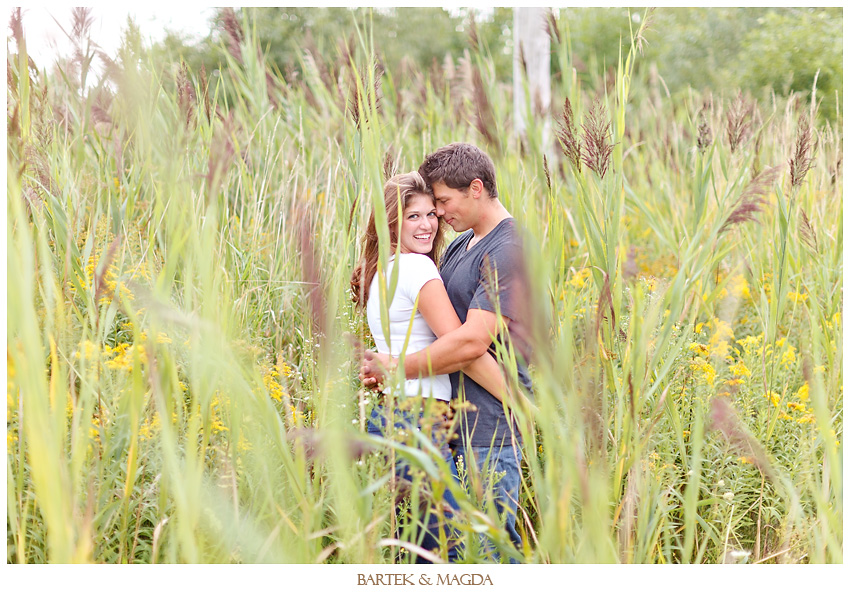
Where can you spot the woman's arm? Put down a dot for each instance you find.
(438, 312)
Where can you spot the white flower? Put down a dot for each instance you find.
(729, 496)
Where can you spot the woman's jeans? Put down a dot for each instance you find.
(499, 471)
(410, 414)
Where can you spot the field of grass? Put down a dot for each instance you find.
(182, 383)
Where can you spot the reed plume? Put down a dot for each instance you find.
(751, 203)
(547, 172)
(390, 167)
(596, 147)
(704, 137)
(16, 25)
(725, 420)
(485, 121)
(233, 30)
(205, 91)
(738, 122)
(568, 136)
(358, 102)
(185, 94)
(640, 40)
(801, 161)
(472, 36)
(808, 236)
(552, 27)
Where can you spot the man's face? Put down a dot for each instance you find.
(454, 206)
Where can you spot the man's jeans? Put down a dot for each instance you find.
(431, 525)
(492, 463)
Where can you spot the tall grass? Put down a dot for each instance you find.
(181, 345)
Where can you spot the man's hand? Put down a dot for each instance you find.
(375, 368)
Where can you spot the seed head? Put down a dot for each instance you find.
(801, 161)
(596, 147)
(751, 203)
(233, 30)
(568, 136)
(704, 132)
(485, 121)
(807, 232)
(738, 122)
(185, 94)
(552, 27)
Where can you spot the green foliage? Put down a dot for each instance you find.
(181, 387)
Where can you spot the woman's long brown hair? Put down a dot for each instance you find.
(401, 185)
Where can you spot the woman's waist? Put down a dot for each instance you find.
(437, 386)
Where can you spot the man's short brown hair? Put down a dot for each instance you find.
(457, 165)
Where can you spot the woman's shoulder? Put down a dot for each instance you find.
(415, 258)
(417, 269)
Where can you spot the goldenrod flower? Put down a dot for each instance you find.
(698, 348)
(774, 398)
(579, 279)
(740, 369)
(789, 357)
(708, 373)
(750, 342)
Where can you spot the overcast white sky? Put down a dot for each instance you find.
(45, 38)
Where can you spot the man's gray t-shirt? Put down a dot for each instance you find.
(469, 277)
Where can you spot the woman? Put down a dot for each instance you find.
(418, 313)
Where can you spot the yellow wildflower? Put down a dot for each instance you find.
(793, 405)
(803, 393)
(89, 350)
(740, 369)
(124, 356)
(708, 372)
(579, 279)
(698, 348)
(718, 343)
(244, 444)
(750, 342)
(739, 287)
(797, 297)
(807, 419)
(774, 398)
(789, 356)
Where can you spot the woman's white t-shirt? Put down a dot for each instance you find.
(415, 271)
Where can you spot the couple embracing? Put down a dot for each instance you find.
(444, 320)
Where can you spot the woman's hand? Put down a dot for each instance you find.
(375, 368)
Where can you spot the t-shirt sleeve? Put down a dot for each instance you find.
(416, 271)
(499, 279)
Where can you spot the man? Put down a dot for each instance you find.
(482, 271)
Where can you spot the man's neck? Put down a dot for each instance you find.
(490, 218)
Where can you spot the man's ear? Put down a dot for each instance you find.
(477, 187)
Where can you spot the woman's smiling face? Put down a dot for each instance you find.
(419, 225)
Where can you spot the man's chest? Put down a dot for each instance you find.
(460, 275)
